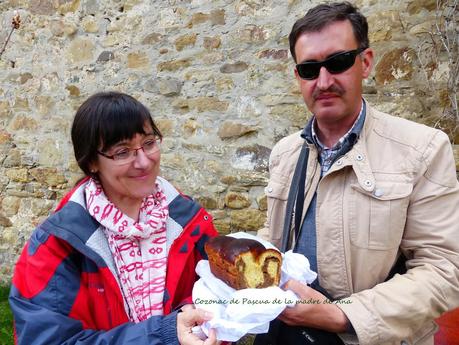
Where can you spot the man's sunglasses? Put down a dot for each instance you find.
(335, 64)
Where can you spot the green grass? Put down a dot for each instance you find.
(6, 318)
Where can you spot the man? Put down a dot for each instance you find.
(377, 188)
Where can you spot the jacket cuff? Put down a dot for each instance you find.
(185, 301)
(168, 329)
(359, 316)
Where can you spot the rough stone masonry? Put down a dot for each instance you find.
(216, 75)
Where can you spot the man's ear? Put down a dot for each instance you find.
(367, 62)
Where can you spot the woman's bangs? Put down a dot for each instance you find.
(122, 125)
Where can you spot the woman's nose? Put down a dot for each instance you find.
(141, 159)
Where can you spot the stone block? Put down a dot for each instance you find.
(10, 205)
(254, 157)
(57, 27)
(277, 54)
(25, 77)
(68, 6)
(81, 50)
(224, 84)
(44, 7)
(21, 104)
(202, 104)
(246, 179)
(22, 122)
(297, 113)
(17, 174)
(236, 67)
(237, 201)
(44, 104)
(189, 127)
(50, 152)
(73, 90)
(414, 7)
(396, 64)
(212, 42)
(166, 126)
(152, 38)
(13, 158)
(262, 202)
(169, 87)
(185, 40)
(5, 137)
(5, 110)
(198, 18)
(173, 65)
(138, 60)
(252, 34)
(217, 17)
(247, 219)
(208, 202)
(231, 129)
(383, 25)
(89, 24)
(223, 226)
(48, 176)
(5, 222)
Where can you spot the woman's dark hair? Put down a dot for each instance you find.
(105, 119)
(322, 15)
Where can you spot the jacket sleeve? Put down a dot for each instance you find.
(36, 325)
(397, 308)
(42, 292)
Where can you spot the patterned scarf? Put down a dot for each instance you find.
(138, 248)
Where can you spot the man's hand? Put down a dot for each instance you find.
(189, 318)
(314, 310)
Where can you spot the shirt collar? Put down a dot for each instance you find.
(310, 135)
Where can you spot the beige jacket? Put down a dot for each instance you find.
(396, 189)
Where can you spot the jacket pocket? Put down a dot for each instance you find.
(422, 337)
(277, 195)
(377, 219)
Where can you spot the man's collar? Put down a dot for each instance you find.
(310, 136)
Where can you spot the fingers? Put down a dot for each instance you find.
(212, 339)
(187, 307)
(186, 320)
(304, 292)
(298, 288)
(192, 317)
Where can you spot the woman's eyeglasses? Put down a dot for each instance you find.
(335, 64)
(127, 155)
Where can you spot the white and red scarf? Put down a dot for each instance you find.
(138, 248)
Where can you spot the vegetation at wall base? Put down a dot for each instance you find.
(6, 318)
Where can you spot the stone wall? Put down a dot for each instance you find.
(216, 75)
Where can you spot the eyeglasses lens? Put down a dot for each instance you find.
(335, 64)
(150, 147)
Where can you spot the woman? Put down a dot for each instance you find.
(115, 264)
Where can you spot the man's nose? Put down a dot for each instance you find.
(325, 79)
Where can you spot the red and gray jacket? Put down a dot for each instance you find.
(64, 290)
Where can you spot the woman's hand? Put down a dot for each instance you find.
(189, 318)
(186, 307)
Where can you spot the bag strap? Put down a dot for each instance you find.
(296, 193)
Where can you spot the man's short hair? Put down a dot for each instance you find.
(323, 15)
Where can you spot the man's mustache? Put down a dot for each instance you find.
(334, 89)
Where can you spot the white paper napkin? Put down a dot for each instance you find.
(238, 312)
